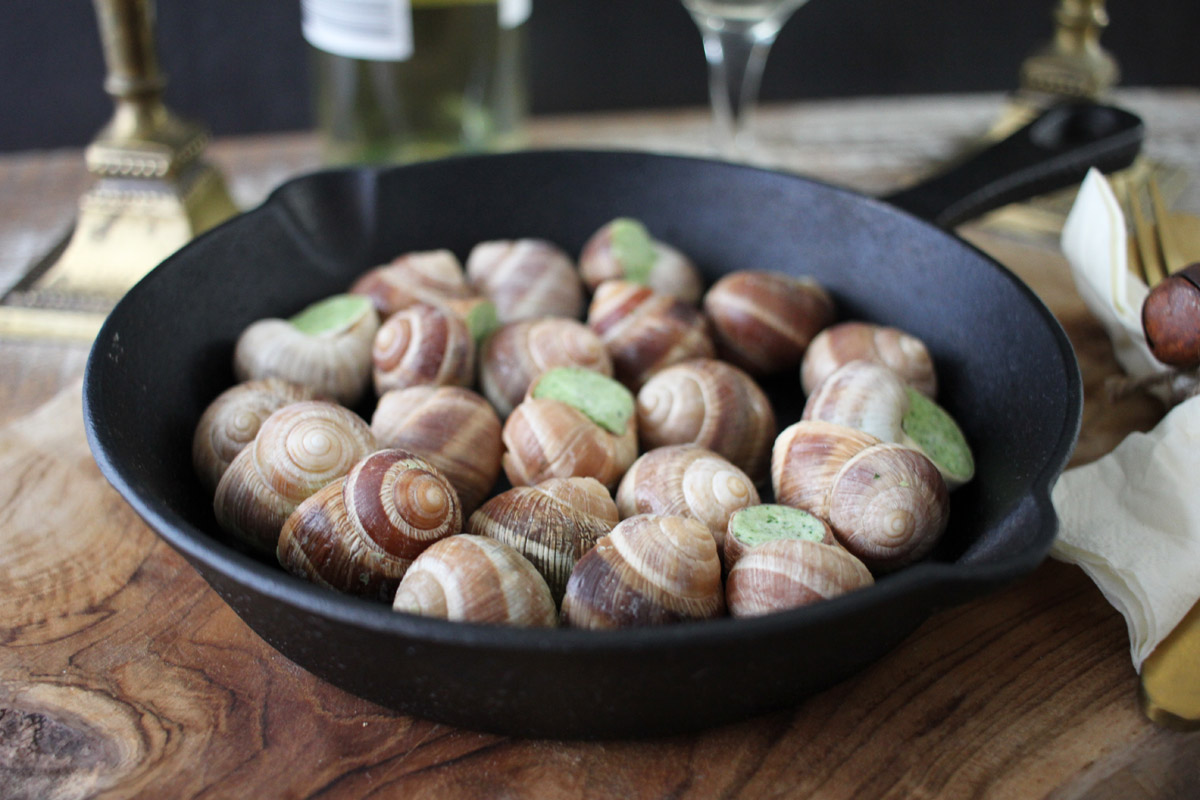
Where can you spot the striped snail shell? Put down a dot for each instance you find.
(231, 421)
(904, 354)
(299, 449)
(431, 277)
(423, 345)
(360, 534)
(623, 249)
(650, 570)
(326, 347)
(520, 351)
(769, 522)
(552, 524)
(469, 578)
(452, 428)
(886, 503)
(875, 399)
(645, 330)
(764, 321)
(526, 279)
(711, 404)
(686, 481)
(789, 573)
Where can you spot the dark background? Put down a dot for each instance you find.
(242, 67)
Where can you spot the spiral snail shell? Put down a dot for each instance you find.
(299, 449)
(711, 404)
(520, 351)
(452, 428)
(764, 321)
(526, 279)
(231, 421)
(624, 250)
(789, 573)
(650, 570)
(574, 423)
(645, 331)
(476, 579)
(904, 354)
(686, 481)
(874, 399)
(886, 503)
(423, 345)
(431, 277)
(326, 347)
(552, 524)
(755, 525)
(360, 533)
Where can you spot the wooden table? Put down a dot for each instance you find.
(122, 674)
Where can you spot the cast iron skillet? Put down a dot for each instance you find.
(1006, 369)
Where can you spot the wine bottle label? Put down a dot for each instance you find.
(374, 30)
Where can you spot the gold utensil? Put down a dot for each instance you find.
(1178, 234)
(1170, 691)
(1161, 241)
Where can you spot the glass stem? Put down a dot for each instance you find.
(736, 53)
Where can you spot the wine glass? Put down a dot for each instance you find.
(737, 35)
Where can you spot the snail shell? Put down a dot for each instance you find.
(546, 438)
(430, 277)
(755, 525)
(299, 449)
(904, 354)
(452, 428)
(232, 420)
(327, 348)
(624, 250)
(650, 570)
(423, 345)
(520, 351)
(711, 404)
(645, 331)
(476, 579)
(886, 503)
(764, 321)
(686, 481)
(789, 573)
(552, 524)
(526, 279)
(360, 533)
(874, 399)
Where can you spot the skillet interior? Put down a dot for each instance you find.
(1006, 370)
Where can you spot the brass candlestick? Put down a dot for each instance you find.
(153, 192)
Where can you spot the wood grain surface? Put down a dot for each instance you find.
(123, 675)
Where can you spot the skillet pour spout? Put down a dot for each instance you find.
(1007, 372)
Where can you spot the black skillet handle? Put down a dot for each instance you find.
(1052, 152)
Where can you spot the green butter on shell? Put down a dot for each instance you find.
(331, 315)
(755, 525)
(633, 249)
(482, 320)
(601, 399)
(938, 436)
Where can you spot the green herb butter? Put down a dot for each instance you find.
(938, 436)
(633, 250)
(766, 523)
(331, 315)
(602, 400)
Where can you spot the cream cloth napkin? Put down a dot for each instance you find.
(1131, 519)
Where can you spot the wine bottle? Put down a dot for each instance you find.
(405, 80)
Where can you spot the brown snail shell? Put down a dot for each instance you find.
(299, 449)
(904, 354)
(520, 351)
(886, 503)
(360, 533)
(789, 573)
(552, 524)
(431, 277)
(545, 438)
(650, 570)
(526, 279)
(452, 428)
(476, 579)
(1171, 318)
(764, 321)
(686, 481)
(334, 364)
(645, 331)
(232, 420)
(423, 346)
(803, 525)
(711, 404)
(669, 271)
